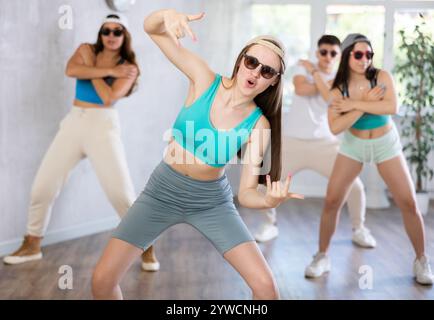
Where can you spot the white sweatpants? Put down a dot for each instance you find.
(319, 156)
(92, 133)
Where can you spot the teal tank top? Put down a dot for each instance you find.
(368, 121)
(194, 131)
(85, 90)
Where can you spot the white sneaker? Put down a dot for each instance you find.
(319, 265)
(21, 259)
(422, 271)
(267, 233)
(30, 250)
(150, 266)
(363, 237)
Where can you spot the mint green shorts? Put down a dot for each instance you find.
(375, 150)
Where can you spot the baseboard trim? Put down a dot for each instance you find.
(65, 234)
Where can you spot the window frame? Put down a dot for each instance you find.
(318, 19)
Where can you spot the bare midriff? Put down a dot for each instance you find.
(372, 133)
(187, 164)
(87, 105)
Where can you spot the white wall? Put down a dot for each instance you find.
(36, 95)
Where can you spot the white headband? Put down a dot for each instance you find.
(265, 41)
(122, 20)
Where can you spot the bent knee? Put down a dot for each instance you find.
(102, 282)
(409, 206)
(332, 203)
(265, 287)
(42, 193)
(358, 186)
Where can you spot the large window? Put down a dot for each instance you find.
(368, 20)
(407, 19)
(291, 24)
(300, 23)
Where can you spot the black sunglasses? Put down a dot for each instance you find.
(359, 54)
(252, 63)
(324, 52)
(116, 32)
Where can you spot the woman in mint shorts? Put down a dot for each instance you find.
(364, 99)
(189, 185)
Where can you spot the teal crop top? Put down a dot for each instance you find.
(85, 91)
(368, 121)
(194, 131)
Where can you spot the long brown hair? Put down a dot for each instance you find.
(270, 102)
(343, 74)
(127, 53)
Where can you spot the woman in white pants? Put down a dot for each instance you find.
(105, 72)
(308, 143)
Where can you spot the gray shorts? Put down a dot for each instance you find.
(170, 198)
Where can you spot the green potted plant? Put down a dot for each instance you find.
(415, 71)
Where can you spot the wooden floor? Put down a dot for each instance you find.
(192, 269)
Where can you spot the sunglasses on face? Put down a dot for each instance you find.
(252, 63)
(358, 55)
(324, 52)
(116, 32)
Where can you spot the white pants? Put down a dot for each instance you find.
(319, 156)
(92, 133)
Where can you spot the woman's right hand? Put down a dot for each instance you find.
(124, 71)
(176, 24)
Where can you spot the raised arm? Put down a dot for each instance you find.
(77, 68)
(165, 28)
(248, 194)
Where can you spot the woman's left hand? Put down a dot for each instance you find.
(277, 194)
(342, 105)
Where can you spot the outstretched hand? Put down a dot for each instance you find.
(176, 25)
(277, 193)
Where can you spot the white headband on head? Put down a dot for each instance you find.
(278, 49)
(122, 20)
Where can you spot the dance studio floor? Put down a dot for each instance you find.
(192, 269)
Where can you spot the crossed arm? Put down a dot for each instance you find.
(305, 88)
(83, 65)
(381, 100)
